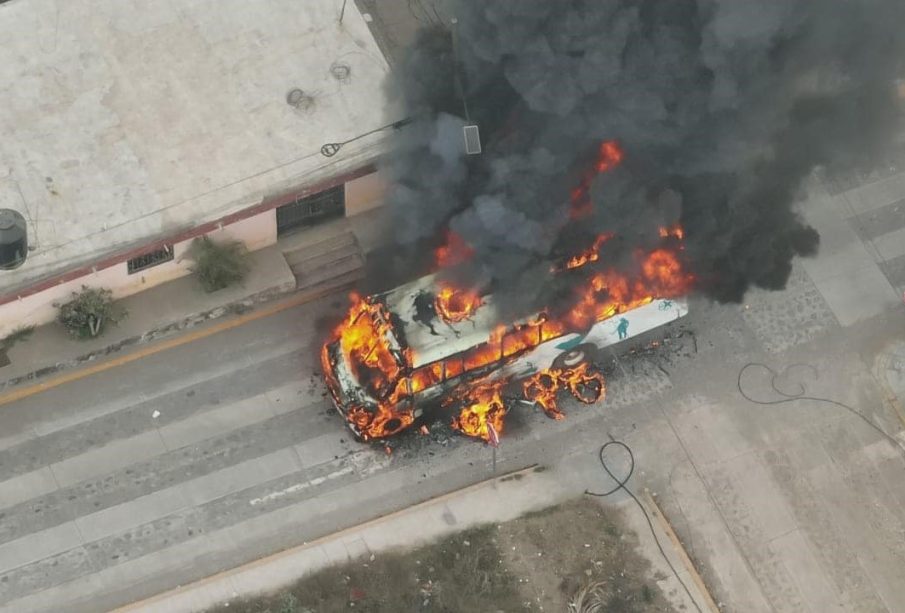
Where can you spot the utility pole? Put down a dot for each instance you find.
(493, 438)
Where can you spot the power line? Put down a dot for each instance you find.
(458, 75)
(330, 149)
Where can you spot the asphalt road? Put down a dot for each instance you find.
(194, 460)
(197, 459)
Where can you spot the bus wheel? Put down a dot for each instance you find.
(575, 356)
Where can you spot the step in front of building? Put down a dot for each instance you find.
(329, 263)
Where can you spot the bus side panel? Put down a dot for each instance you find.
(539, 358)
(602, 334)
(637, 321)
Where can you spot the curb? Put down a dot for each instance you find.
(187, 323)
(160, 599)
(167, 337)
(682, 553)
(890, 396)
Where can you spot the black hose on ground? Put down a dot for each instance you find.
(801, 395)
(620, 485)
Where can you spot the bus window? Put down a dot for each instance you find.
(426, 376)
(481, 355)
(521, 338)
(454, 367)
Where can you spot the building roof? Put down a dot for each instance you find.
(125, 121)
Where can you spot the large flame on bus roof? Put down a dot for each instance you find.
(386, 370)
(455, 304)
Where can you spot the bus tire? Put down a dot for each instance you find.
(575, 356)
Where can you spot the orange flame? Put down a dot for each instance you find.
(609, 155)
(454, 305)
(675, 231)
(482, 405)
(584, 384)
(454, 252)
(364, 340)
(385, 369)
(591, 254)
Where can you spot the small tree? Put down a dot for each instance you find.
(89, 311)
(218, 265)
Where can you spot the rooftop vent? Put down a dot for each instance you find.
(300, 99)
(13, 239)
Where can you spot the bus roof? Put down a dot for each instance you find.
(429, 337)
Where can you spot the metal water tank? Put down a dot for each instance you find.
(13, 239)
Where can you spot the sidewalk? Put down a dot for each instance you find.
(495, 500)
(152, 314)
(172, 308)
(890, 371)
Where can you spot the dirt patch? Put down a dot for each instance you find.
(578, 547)
(540, 562)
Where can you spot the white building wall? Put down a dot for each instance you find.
(365, 193)
(256, 232)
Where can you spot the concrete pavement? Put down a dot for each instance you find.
(159, 312)
(299, 268)
(104, 504)
(496, 500)
(792, 507)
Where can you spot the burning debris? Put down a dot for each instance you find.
(380, 366)
(633, 152)
(371, 358)
(383, 370)
(481, 406)
(584, 383)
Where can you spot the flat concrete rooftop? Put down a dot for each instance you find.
(125, 120)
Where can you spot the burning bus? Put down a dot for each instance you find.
(403, 356)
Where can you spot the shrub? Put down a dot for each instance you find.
(89, 312)
(218, 265)
(16, 336)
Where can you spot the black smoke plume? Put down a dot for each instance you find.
(722, 107)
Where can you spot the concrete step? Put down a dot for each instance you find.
(352, 263)
(316, 261)
(343, 243)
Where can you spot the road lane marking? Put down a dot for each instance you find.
(298, 487)
(364, 463)
(80, 372)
